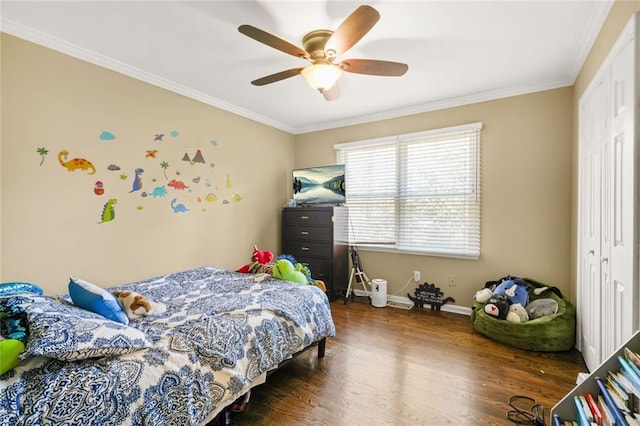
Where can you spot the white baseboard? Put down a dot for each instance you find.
(456, 309)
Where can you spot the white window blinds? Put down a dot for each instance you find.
(417, 193)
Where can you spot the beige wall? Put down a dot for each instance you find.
(50, 215)
(526, 192)
(619, 16)
(49, 226)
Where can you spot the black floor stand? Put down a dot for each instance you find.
(358, 274)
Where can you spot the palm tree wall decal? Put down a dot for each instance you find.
(164, 166)
(43, 152)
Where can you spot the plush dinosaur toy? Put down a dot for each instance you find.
(307, 273)
(283, 269)
(10, 350)
(260, 262)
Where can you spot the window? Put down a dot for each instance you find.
(416, 193)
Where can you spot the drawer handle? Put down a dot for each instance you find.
(304, 217)
(304, 248)
(304, 233)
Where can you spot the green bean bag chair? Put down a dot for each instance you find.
(552, 333)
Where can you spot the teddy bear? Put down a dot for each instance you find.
(136, 305)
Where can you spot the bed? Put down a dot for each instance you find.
(221, 334)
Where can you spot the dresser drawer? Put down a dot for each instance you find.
(320, 269)
(308, 217)
(308, 233)
(305, 249)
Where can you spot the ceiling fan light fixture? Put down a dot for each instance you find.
(321, 76)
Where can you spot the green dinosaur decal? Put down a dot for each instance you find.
(108, 212)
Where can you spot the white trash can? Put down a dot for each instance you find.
(379, 293)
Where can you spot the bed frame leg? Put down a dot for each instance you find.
(321, 347)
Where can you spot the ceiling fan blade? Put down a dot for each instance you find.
(374, 67)
(332, 93)
(272, 41)
(272, 78)
(352, 29)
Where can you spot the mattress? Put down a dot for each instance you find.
(221, 333)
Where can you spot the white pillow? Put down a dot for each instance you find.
(96, 299)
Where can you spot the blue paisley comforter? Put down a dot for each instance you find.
(220, 334)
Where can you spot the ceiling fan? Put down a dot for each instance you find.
(321, 47)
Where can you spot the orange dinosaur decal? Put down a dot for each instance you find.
(75, 163)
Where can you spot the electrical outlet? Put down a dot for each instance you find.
(452, 280)
(416, 276)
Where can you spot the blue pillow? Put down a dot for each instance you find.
(96, 299)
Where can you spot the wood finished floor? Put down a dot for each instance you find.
(389, 366)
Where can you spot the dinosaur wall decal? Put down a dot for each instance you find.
(75, 163)
(137, 181)
(177, 184)
(159, 191)
(108, 212)
(178, 208)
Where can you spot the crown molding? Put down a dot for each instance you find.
(62, 46)
(438, 105)
(57, 44)
(596, 21)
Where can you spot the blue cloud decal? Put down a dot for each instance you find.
(107, 136)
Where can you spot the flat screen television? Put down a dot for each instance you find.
(319, 185)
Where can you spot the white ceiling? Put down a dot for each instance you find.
(458, 52)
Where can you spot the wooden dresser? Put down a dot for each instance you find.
(317, 237)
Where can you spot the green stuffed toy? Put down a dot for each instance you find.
(9, 351)
(283, 269)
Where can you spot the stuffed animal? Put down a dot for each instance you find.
(285, 270)
(515, 290)
(483, 295)
(287, 256)
(541, 307)
(497, 306)
(307, 273)
(10, 350)
(259, 261)
(517, 313)
(14, 333)
(136, 305)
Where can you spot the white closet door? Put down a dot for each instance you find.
(608, 254)
(592, 134)
(619, 228)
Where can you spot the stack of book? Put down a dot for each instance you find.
(618, 400)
